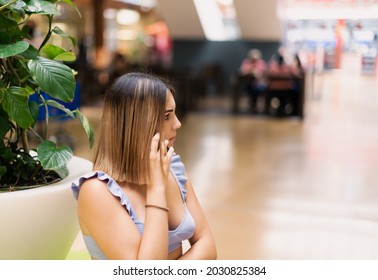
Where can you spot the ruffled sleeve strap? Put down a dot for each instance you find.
(112, 186)
(178, 170)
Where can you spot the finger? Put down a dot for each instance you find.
(155, 142)
(170, 153)
(164, 146)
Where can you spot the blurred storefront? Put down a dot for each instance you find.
(117, 34)
(332, 34)
(113, 36)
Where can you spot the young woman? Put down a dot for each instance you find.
(138, 203)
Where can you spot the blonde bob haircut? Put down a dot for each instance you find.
(134, 109)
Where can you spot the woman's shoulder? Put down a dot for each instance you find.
(96, 180)
(101, 185)
(94, 183)
(90, 178)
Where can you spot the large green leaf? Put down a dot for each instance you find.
(7, 24)
(53, 157)
(5, 2)
(19, 5)
(34, 110)
(42, 7)
(54, 78)
(87, 127)
(57, 53)
(62, 172)
(9, 30)
(72, 4)
(13, 49)
(16, 6)
(15, 103)
(30, 53)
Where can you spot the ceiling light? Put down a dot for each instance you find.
(127, 17)
(218, 24)
(147, 4)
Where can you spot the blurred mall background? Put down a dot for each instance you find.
(297, 185)
(204, 42)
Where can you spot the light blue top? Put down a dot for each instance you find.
(183, 232)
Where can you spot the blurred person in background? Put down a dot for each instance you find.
(283, 83)
(117, 67)
(253, 68)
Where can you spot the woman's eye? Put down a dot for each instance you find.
(166, 117)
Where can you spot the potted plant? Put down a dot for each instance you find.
(33, 78)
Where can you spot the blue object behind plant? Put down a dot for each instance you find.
(55, 112)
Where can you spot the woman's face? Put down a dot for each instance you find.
(171, 122)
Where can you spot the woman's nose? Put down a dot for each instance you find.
(177, 124)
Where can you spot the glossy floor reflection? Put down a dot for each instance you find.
(286, 188)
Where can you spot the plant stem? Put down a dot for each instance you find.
(5, 71)
(38, 168)
(44, 136)
(14, 72)
(25, 142)
(36, 135)
(48, 35)
(3, 64)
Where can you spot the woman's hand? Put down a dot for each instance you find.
(159, 174)
(154, 243)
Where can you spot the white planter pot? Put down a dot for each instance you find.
(41, 223)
